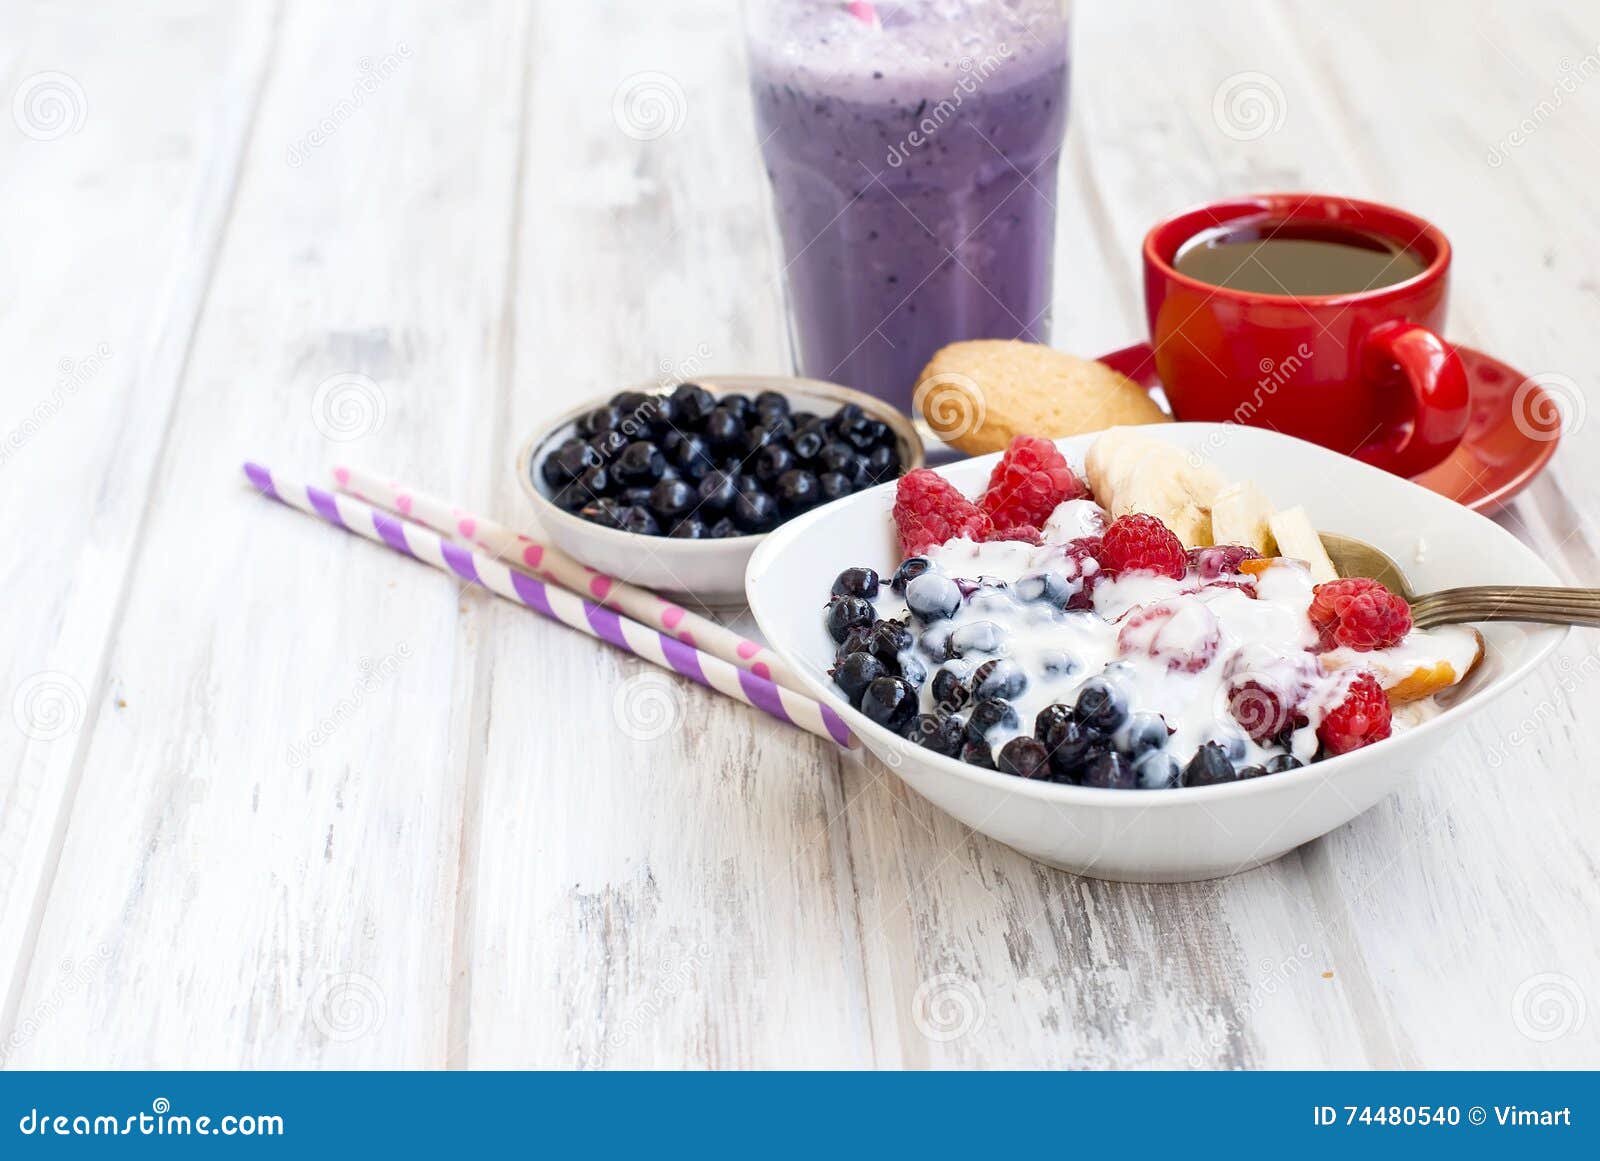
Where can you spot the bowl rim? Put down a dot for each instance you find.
(912, 454)
(1068, 795)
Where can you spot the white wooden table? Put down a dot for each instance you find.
(271, 796)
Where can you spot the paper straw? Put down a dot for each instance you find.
(550, 562)
(555, 603)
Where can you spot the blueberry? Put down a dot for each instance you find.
(796, 490)
(890, 639)
(1208, 767)
(1252, 772)
(934, 641)
(596, 482)
(604, 512)
(689, 528)
(855, 672)
(910, 568)
(772, 401)
(637, 497)
(755, 511)
(978, 754)
(1025, 758)
(845, 613)
(1233, 745)
(882, 464)
(716, 493)
(857, 640)
(592, 423)
(670, 499)
(1110, 771)
(975, 637)
(1282, 762)
(941, 735)
(950, 693)
(987, 595)
(880, 431)
(723, 529)
(638, 520)
(807, 444)
(1099, 706)
(772, 461)
(692, 403)
(1053, 588)
(912, 670)
(736, 403)
(833, 486)
(1144, 732)
(989, 715)
(1069, 743)
(573, 497)
(1057, 663)
(844, 459)
(724, 429)
(640, 463)
(856, 582)
(629, 400)
(1001, 678)
(933, 596)
(569, 461)
(690, 454)
(1156, 770)
(889, 701)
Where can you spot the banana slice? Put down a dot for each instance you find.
(1240, 514)
(1133, 472)
(1298, 539)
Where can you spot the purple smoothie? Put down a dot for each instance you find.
(913, 166)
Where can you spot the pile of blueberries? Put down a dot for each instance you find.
(881, 665)
(694, 466)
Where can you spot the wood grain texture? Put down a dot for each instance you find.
(315, 807)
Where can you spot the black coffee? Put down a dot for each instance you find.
(1296, 258)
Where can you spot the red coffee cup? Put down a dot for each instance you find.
(1364, 373)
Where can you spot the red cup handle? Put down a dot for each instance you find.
(1441, 400)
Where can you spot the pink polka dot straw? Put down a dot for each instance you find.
(556, 603)
(551, 563)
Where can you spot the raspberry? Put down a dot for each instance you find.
(1359, 614)
(1083, 564)
(929, 510)
(1265, 691)
(1141, 543)
(1031, 478)
(1183, 634)
(1023, 532)
(1363, 717)
(1220, 559)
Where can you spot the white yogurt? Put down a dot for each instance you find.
(1171, 647)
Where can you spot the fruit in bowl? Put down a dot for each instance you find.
(672, 487)
(1090, 652)
(1030, 630)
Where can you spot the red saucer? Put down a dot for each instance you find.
(1511, 436)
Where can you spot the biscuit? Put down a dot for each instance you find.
(977, 395)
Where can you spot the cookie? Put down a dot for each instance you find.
(977, 395)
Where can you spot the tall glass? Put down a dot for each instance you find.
(913, 150)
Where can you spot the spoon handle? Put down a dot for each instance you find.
(1547, 606)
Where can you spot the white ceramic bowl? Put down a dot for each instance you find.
(711, 571)
(1192, 833)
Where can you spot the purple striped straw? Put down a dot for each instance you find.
(556, 603)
